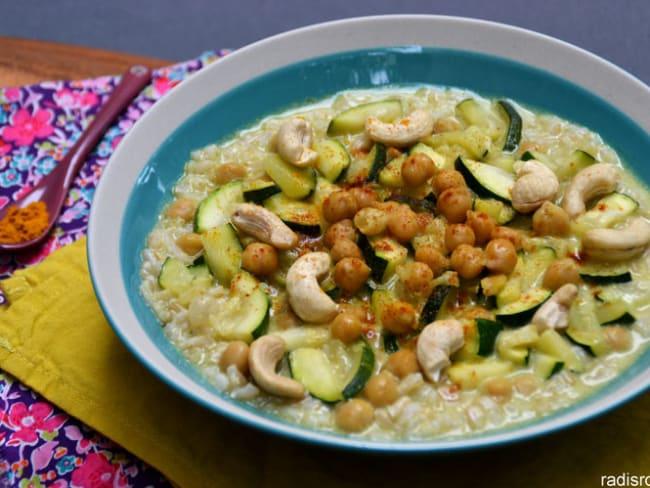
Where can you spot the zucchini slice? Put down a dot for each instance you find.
(578, 161)
(333, 158)
(257, 191)
(614, 312)
(421, 148)
(312, 336)
(312, 368)
(552, 343)
(297, 183)
(223, 252)
(217, 208)
(363, 366)
(245, 314)
(514, 344)
(378, 162)
(177, 277)
(501, 212)
(391, 343)
(299, 215)
(481, 115)
(488, 330)
(353, 120)
(545, 365)
(607, 212)
(584, 327)
(486, 180)
(382, 254)
(433, 305)
(606, 277)
(513, 134)
(522, 310)
(473, 142)
(391, 174)
(470, 374)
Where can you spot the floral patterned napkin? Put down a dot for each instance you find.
(39, 444)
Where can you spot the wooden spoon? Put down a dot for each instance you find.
(53, 188)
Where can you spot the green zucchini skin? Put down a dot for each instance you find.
(513, 135)
(606, 279)
(366, 367)
(216, 209)
(433, 305)
(333, 159)
(378, 163)
(488, 330)
(262, 192)
(301, 216)
(353, 120)
(520, 312)
(485, 180)
(390, 343)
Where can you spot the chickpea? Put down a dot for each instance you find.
(354, 415)
(403, 224)
(365, 197)
(228, 172)
(190, 243)
(482, 224)
(498, 388)
(345, 248)
(371, 221)
(339, 205)
(457, 234)
(350, 274)
(398, 317)
(513, 235)
(618, 338)
(560, 273)
(381, 390)
(526, 383)
(447, 178)
(417, 169)
(347, 327)
(468, 261)
(402, 363)
(343, 229)
(235, 353)
(417, 278)
(260, 259)
(551, 220)
(454, 203)
(433, 258)
(501, 256)
(181, 208)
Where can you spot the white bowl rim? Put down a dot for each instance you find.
(560, 58)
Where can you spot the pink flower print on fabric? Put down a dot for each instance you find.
(12, 94)
(28, 422)
(97, 472)
(75, 99)
(5, 148)
(26, 127)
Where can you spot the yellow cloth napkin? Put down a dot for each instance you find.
(54, 338)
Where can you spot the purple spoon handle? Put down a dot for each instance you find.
(53, 188)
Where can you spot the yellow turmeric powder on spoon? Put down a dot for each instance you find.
(24, 224)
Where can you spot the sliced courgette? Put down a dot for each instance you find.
(177, 277)
(297, 183)
(486, 180)
(420, 148)
(299, 215)
(362, 367)
(391, 174)
(607, 212)
(501, 212)
(488, 330)
(223, 252)
(433, 305)
(482, 115)
(513, 134)
(520, 312)
(472, 142)
(257, 191)
(353, 120)
(382, 254)
(378, 162)
(545, 365)
(514, 344)
(578, 161)
(584, 327)
(470, 374)
(297, 337)
(614, 312)
(312, 368)
(217, 208)
(333, 158)
(552, 343)
(606, 276)
(245, 314)
(391, 343)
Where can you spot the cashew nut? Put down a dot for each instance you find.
(436, 343)
(535, 184)
(617, 244)
(403, 132)
(263, 357)
(294, 142)
(595, 180)
(264, 225)
(306, 297)
(554, 313)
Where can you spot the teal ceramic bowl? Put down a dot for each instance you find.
(313, 63)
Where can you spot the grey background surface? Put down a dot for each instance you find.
(618, 30)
